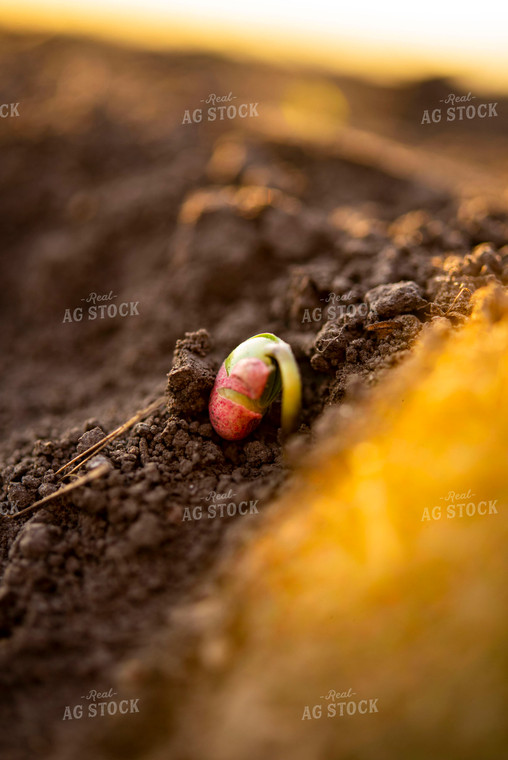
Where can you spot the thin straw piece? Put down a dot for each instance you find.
(110, 437)
(94, 474)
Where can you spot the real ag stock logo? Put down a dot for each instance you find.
(459, 505)
(460, 108)
(220, 108)
(338, 306)
(99, 705)
(220, 505)
(100, 307)
(340, 704)
(9, 110)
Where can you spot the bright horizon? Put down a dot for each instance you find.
(391, 39)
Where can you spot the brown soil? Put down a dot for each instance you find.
(216, 234)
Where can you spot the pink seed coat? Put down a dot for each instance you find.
(232, 420)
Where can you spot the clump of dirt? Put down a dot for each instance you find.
(191, 377)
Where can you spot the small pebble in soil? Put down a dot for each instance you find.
(396, 298)
(90, 438)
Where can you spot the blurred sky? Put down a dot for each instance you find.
(368, 36)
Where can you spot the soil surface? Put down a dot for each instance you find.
(347, 248)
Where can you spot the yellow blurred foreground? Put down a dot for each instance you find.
(381, 577)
